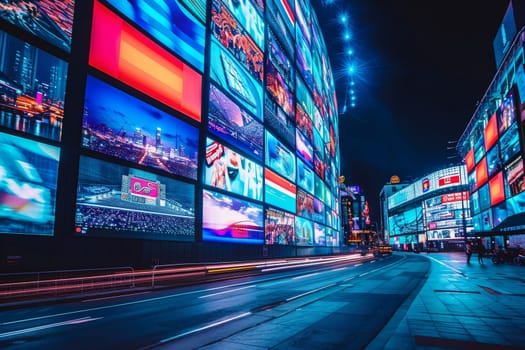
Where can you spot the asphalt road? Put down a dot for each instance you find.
(333, 307)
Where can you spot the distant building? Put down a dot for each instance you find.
(388, 189)
(432, 212)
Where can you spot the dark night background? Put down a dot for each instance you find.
(421, 68)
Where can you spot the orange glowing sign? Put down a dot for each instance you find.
(121, 51)
(469, 160)
(497, 189)
(491, 132)
(481, 173)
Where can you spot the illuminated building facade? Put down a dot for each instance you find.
(430, 213)
(166, 131)
(492, 144)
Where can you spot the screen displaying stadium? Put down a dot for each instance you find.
(32, 89)
(28, 185)
(120, 201)
(170, 23)
(278, 227)
(232, 220)
(232, 172)
(234, 124)
(49, 20)
(137, 131)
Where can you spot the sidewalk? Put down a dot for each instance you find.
(461, 307)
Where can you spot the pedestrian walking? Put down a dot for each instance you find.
(468, 251)
(481, 252)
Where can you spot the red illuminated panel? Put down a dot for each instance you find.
(481, 172)
(124, 53)
(448, 180)
(491, 132)
(469, 160)
(454, 197)
(497, 190)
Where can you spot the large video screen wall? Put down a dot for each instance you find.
(175, 130)
(495, 167)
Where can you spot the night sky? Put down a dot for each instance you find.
(421, 68)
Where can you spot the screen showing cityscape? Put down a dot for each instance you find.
(137, 131)
(32, 88)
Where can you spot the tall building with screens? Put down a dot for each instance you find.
(207, 121)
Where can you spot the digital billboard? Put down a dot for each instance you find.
(228, 73)
(32, 89)
(123, 52)
(232, 172)
(304, 148)
(124, 202)
(305, 177)
(280, 60)
(304, 58)
(304, 232)
(509, 143)
(231, 220)
(28, 185)
(304, 98)
(304, 122)
(197, 7)
(515, 176)
(491, 132)
(278, 227)
(285, 9)
(234, 38)
(280, 123)
(278, 191)
(506, 113)
(245, 12)
(409, 221)
(302, 12)
(234, 124)
(49, 20)
(493, 161)
(319, 235)
(496, 189)
(443, 215)
(120, 125)
(305, 205)
(279, 31)
(319, 211)
(171, 23)
(279, 92)
(279, 158)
